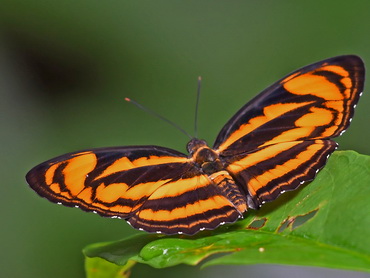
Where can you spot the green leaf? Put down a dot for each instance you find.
(99, 268)
(325, 223)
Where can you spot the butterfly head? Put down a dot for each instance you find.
(195, 144)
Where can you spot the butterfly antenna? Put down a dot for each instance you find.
(196, 107)
(158, 116)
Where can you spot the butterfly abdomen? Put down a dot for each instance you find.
(229, 189)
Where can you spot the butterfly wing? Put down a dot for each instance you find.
(281, 138)
(154, 188)
(314, 102)
(268, 171)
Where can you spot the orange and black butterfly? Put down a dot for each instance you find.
(274, 143)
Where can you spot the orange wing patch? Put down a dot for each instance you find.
(311, 84)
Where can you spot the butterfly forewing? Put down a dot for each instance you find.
(314, 102)
(110, 181)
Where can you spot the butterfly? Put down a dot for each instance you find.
(274, 143)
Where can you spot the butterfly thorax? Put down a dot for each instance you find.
(209, 162)
(204, 157)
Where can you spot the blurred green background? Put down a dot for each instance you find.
(66, 66)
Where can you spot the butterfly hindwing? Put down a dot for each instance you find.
(314, 102)
(271, 170)
(194, 205)
(155, 189)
